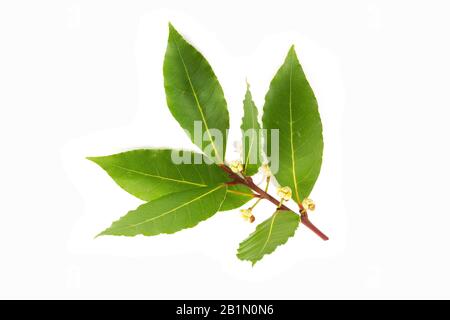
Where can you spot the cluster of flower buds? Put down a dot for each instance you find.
(236, 166)
(247, 215)
(285, 193)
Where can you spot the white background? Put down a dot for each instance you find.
(84, 78)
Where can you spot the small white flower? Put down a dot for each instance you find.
(247, 215)
(284, 193)
(309, 204)
(236, 166)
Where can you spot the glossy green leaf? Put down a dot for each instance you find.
(194, 95)
(291, 107)
(251, 136)
(170, 213)
(237, 196)
(151, 173)
(268, 235)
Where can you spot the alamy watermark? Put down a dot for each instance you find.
(211, 142)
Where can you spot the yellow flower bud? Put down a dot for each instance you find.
(284, 193)
(246, 213)
(309, 204)
(236, 166)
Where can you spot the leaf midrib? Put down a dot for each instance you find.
(197, 101)
(159, 177)
(291, 130)
(241, 193)
(252, 140)
(174, 209)
(270, 232)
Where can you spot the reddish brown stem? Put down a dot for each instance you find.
(262, 194)
(307, 223)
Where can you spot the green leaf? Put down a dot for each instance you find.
(170, 213)
(291, 107)
(251, 136)
(237, 196)
(194, 95)
(268, 235)
(151, 173)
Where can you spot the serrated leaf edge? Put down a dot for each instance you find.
(268, 238)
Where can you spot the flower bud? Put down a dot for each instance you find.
(236, 166)
(309, 204)
(284, 193)
(247, 215)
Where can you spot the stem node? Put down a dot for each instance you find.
(262, 194)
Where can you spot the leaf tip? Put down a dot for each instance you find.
(172, 29)
(248, 94)
(93, 159)
(292, 50)
(96, 160)
(103, 233)
(242, 258)
(291, 53)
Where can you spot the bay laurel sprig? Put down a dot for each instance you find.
(180, 192)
